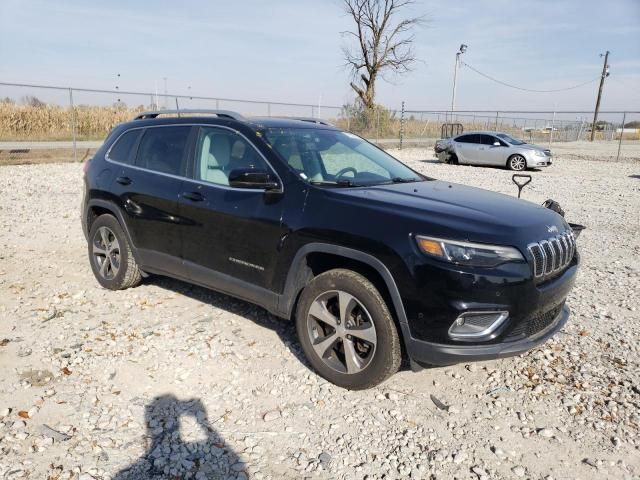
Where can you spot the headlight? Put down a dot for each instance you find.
(539, 153)
(467, 253)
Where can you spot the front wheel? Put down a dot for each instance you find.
(517, 163)
(346, 330)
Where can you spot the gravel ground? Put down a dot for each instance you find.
(172, 381)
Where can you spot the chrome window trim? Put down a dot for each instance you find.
(193, 180)
(106, 155)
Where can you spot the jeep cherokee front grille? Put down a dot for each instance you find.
(553, 254)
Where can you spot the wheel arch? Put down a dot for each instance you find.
(316, 258)
(97, 207)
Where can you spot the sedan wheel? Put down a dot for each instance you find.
(517, 163)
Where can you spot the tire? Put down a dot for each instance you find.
(453, 159)
(517, 163)
(365, 329)
(110, 255)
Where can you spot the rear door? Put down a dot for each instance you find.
(230, 231)
(468, 148)
(148, 190)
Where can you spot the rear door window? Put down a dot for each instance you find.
(122, 150)
(162, 149)
(468, 139)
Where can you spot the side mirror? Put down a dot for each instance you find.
(252, 178)
(496, 144)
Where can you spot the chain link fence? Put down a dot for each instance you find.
(40, 124)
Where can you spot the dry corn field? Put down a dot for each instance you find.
(50, 122)
(47, 122)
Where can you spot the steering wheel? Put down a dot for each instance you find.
(346, 170)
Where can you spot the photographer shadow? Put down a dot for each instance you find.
(168, 455)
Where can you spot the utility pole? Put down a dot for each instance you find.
(605, 74)
(401, 124)
(463, 48)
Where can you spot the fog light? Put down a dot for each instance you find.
(475, 326)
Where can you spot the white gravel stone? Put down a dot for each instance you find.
(519, 471)
(188, 372)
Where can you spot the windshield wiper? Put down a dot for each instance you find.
(339, 183)
(404, 180)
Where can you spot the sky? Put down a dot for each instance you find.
(290, 50)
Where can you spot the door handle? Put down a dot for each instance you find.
(123, 180)
(193, 196)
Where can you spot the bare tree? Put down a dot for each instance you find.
(33, 101)
(383, 43)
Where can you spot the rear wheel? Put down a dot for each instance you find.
(517, 163)
(110, 255)
(346, 330)
(452, 158)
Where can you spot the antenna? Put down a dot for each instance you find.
(177, 107)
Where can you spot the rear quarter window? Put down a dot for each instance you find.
(122, 150)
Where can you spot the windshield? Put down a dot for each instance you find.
(331, 157)
(511, 140)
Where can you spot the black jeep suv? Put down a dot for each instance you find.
(370, 258)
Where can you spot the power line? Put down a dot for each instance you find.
(529, 89)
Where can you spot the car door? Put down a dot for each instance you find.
(233, 233)
(467, 148)
(148, 191)
(490, 153)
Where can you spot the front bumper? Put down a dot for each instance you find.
(541, 163)
(534, 161)
(428, 353)
(441, 294)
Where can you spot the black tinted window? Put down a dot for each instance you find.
(468, 139)
(488, 139)
(122, 149)
(162, 149)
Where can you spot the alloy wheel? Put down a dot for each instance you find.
(106, 253)
(341, 332)
(518, 163)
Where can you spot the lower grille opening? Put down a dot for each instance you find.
(535, 325)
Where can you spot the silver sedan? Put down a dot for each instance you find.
(492, 148)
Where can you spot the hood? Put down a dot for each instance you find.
(533, 146)
(457, 211)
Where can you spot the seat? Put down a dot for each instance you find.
(287, 149)
(215, 158)
(244, 157)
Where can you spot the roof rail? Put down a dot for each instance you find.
(312, 120)
(219, 113)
